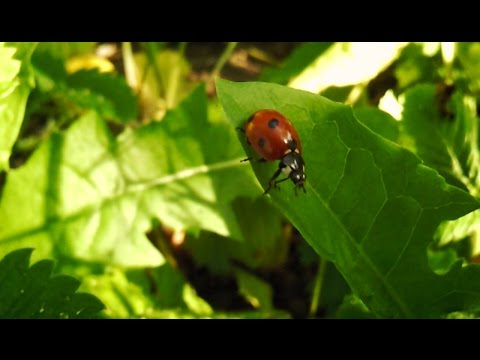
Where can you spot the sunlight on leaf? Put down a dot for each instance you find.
(16, 82)
(89, 62)
(347, 64)
(195, 303)
(87, 195)
(391, 105)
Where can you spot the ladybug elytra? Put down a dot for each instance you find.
(274, 138)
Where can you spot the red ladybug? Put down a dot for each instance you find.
(274, 138)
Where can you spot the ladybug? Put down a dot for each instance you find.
(274, 138)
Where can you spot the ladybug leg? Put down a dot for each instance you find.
(251, 158)
(272, 182)
(240, 129)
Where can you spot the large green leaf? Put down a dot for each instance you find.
(31, 292)
(87, 195)
(371, 207)
(15, 84)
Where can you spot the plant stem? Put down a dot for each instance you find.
(355, 94)
(181, 48)
(174, 77)
(151, 50)
(223, 58)
(317, 290)
(129, 65)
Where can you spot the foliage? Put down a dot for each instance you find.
(31, 292)
(121, 166)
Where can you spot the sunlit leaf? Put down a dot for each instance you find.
(16, 82)
(87, 195)
(371, 207)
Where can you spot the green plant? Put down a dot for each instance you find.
(129, 176)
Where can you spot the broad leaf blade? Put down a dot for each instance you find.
(31, 292)
(15, 84)
(371, 207)
(87, 195)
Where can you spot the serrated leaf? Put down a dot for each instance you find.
(371, 207)
(15, 85)
(31, 292)
(86, 195)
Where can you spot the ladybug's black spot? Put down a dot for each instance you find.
(273, 123)
(262, 142)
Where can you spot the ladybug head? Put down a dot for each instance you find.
(298, 178)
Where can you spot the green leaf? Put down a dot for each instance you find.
(459, 229)
(31, 292)
(15, 85)
(300, 58)
(353, 308)
(161, 292)
(107, 93)
(468, 56)
(256, 291)
(379, 122)
(261, 227)
(333, 291)
(48, 69)
(87, 195)
(371, 207)
(414, 67)
(64, 50)
(448, 145)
